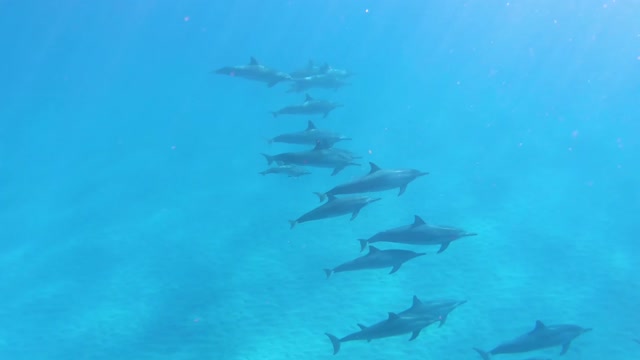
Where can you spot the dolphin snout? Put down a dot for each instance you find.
(587, 330)
(422, 173)
(374, 200)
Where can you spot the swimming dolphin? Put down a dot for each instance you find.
(541, 337)
(310, 106)
(320, 156)
(289, 170)
(394, 325)
(418, 233)
(255, 71)
(376, 259)
(377, 180)
(335, 207)
(438, 309)
(322, 81)
(310, 136)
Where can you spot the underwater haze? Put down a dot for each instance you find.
(135, 223)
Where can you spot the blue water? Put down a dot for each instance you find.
(134, 225)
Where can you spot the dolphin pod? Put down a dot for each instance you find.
(322, 153)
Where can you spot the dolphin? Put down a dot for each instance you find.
(320, 156)
(310, 106)
(376, 259)
(335, 207)
(255, 71)
(438, 309)
(418, 233)
(394, 325)
(541, 337)
(289, 170)
(310, 136)
(376, 180)
(322, 81)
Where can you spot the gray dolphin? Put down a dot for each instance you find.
(418, 233)
(438, 309)
(541, 337)
(310, 136)
(320, 156)
(335, 207)
(310, 106)
(377, 180)
(255, 71)
(289, 170)
(322, 81)
(376, 259)
(394, 325)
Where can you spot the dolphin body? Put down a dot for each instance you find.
(289, 170)
(377, 180)
(418, 233)
(335, 207)
(322, 81)
(541, 337)
(394, 325)
(310, 136)
(437, 309)
(255, 71)
(320, 156)
(310, 106)
(376, 259)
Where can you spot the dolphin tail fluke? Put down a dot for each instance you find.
(268, 157)
(328, 272)
(363, 244)
(335, 342)
(292, 223)
(321, 196)
(485, 355)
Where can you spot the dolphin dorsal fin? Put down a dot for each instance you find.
(416, 301)
(253, 61)
(393, 316)
(417, 221)
(311, 125)
(307, 97)
(373, 250)
(321, 145)
(374, 168)
(539, 326)
(362, 327)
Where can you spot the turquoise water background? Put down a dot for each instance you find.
(134, 224)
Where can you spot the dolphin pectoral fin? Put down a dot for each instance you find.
(444, 247)
(395, 268)
(415, 334)
(443, 319)
(355, 214)
(335, 342)
(337, 170)
(363, 244)
(328, 272)
(403, 188)
(565, 348)
(321, 196)
(485, 355)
